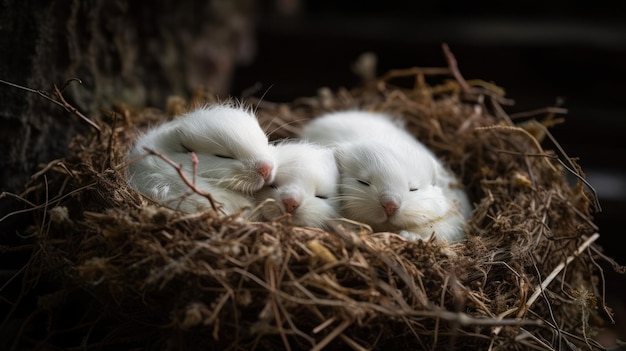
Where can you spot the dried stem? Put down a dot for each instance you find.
(332, 335)
(181, 173)
(540, 111)
(541, 287)
(573, 168)
(454, 68)
(61, 102)
(466, 88)
(418, 71)
(35, 207)
(523, 131)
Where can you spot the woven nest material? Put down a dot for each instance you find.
(138, 275)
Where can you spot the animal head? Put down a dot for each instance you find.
(305, 185)
(390, 186)
(232, 149)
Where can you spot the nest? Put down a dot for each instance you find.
(138, 275)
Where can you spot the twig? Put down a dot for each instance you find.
(465, 86)
(563, 334)
(558, 331)
(461, 318)
(323, 325)
(615, 265)
(523, 131)
(572, 164)
(34, 207)
(487, 85)
(67, 83)
(454, 69)
(500, 111)
(50, 165)
(603, 285)
(194, 161)
(63, 103)
(525, 334)
(275, 302)
(68, 107)
(18, 197)
(415, 71)
(572, 171)
(179, 169)
(541, 287)
(332, 335)
(539, 112)
(353, 344)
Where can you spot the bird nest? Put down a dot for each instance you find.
(138, 275)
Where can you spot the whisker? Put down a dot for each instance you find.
(249, 92)
(262, 97)
(282, 125)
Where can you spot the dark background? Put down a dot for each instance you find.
(543, 54)
(557, 53)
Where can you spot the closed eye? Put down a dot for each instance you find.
(362, 182)
(321, 197)
(413, 189)
(224, 156)
(186, 148)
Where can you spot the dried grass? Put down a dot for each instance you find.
(143, 276)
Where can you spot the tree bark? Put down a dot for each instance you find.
(125, 51)
(122, 51)
(134, 52)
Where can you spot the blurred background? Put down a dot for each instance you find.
(550, 53)
(543, 53)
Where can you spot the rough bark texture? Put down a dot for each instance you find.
(121, 51)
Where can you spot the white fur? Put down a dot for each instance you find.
(235, 159)
(381, 164)
(306, 180)
(346, 126)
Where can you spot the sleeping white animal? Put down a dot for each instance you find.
(305, 185)
(388, 179)
(234, 159)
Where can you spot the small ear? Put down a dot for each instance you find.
(181, 131)
(338, 154)
(440, 171)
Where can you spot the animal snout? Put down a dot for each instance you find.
(291, 204)
(265, 169)
(390, 204)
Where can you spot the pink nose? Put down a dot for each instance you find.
(265, 169)
(291, 204)
(390, 206)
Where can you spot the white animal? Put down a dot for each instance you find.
(388, 179)
(234, 159)
(305, 185)
(346, 126)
